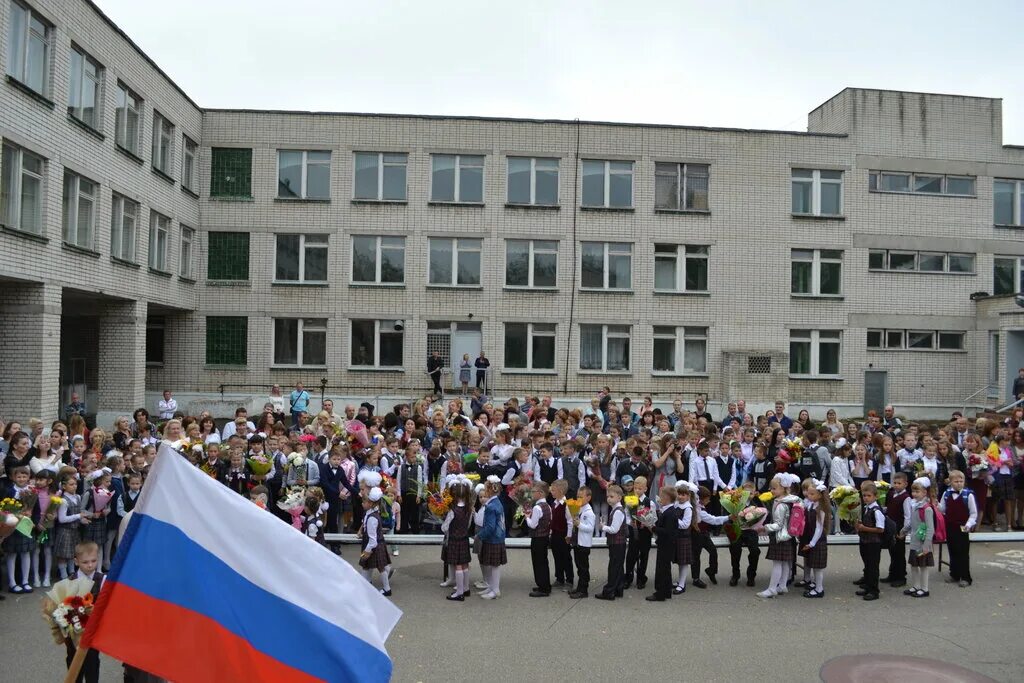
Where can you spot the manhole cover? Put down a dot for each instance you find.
(896, 669)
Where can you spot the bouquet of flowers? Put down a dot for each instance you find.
(473, 477)
(469, 458)
(574, 505)
(294, 503)
(646, 516)
(978, 465)
(260, 464)
(847, 500)
(766, 497)
(631, 502)
(733, 501)
(456, 431)
(522, 494)
(751, 516)
(883, 491)
(10, 516)
(67, 607)
(790, 453)
(211, 470)
(296, 459)
(438, 503)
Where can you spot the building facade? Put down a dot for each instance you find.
(148, 243)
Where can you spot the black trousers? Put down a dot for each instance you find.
(333, 515)
(748, 541)
(637, 552)
(663, 558)
(539, 558)
(563, 559)
(959, 544)
(582, 557)
(436, 379)
(871, 556)
(898, 560)
(480, 379)
(410, 514)
(616, 565)
(702, 541)
(90, 671)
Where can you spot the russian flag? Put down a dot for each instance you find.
(206, 586)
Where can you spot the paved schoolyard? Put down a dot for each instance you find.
(719, 634)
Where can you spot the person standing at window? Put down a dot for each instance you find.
(481, 364)
(434, 365)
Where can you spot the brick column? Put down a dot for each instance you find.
(122, 360)
(30, 348)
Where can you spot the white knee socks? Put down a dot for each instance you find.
(819, 580)
(924, 578)
(915, 577)
(807, 574)
(385, 578)
(495, 582)
(777, 578)
(10, 568)
(461, 581)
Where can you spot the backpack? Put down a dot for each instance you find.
(889, 533)
(939, 535)
(797, 520)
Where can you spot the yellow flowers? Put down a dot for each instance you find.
(765, 497)
(574, 505)
(632, 502)
(56, 500)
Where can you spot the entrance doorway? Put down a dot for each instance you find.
(451, 340)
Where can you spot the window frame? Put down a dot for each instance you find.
(189, 149)
(456, 251)
(816, 182)
(304, 244)
(606, 272)
(884, 336)
(377, 325)
(379, 262)
(304, 325)
(947, 260)
(133, 103)
(13, 213)
(457, 179)
(682, 179)
(1017, 206)
(186, 242)
(533, 180)
(382, 163)
(157, 259)
(814, 339)
(245, 348)
(76, 88)
(679, 336)
(304, 164)
(681, 257)
(71, 207)
(18, 66)
(875, 178)
(532, 253)
(531, 332)
(607, 174)
(160, 161)
(118, 203)
(818, 258)
(606, 334)
(1018, 273)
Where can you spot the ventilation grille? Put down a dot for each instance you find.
(759, 365)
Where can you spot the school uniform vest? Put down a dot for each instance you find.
(459, 528)
(380, 530)
(548, 471)
(810, 523)
(725, 469)
(868, 519)
(410, 477)
(618, 538)
(760, 473)
(434, 468)
(957, 512)
(559, 525)
(544, 525)
(571, 472)
(128, 502)
(894, 508)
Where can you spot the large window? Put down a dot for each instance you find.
(163, 143)
(303, 174)
(227, 257)
(126, 119)
(680, 350)
(381, 176)
(607, 265)
(376, 344)
(530, 346)
(457, 178)
(159, 235)
(607, 184)
(533, 181)
(378, 260)
(1008, 202)
(604, 347)
(188, 238)
(531, 263)
(681, 187)
(301, 258)
(920, 183)
(455, 262)
(21, 190)
(84, 88)
(920, 261)
(814, 353)
(28, 48)
(124, 223)
(915, 340)
(156, 327)
(1007, 275)
(227, 340)
(230, 172)
(817, 193)
(79, 210)
(188, 163)
(680, 268)
(300, 341)
(816, 272)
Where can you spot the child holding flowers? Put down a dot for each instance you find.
(870, 528)
(561, 530)
(781, 546)
(920, 525)
(701, 539)
(582, 538)
(667, 531)
(814, 539)
(96, 500)
(615, 533)
(747, 539)
(639, 547)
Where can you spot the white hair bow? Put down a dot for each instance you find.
(818, 484)
(923, 482)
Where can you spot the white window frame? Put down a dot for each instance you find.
(159, 236)
(947, 258)
(875, 178)
(457, 190)
(533, 179)
(381, 164)
(531, 265)
(679, 336)
(76, 88)
(305, 164)
(320, 241)
(162, 162)
(683, 173)
(1018, 201)
(606, 271)
(814, 338)
(816, 260)
(73, 198)
(188, 240)
(312, 325)
(377, 325)
(680, 258)
(606, 200)
(904, 340)
(13, 210)
(377, 273)
(132, 104)
(459, 246)
(816, 181)
(188, 163)
(18, 65)
(118, 214)
(606, 334)
(531, 332)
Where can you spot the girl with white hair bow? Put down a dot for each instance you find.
(920, 526)
(781, 546)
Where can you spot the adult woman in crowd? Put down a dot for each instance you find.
(140, 421)
(122, 433)
(208, 431)
(833, 424)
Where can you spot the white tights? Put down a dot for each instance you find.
(819, 580)
(385, 578)
(492, 575)
(26, 565)
(683, 571)
(780, 576)
(919, 577)
(47, 553)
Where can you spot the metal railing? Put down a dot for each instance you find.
(1010, 406)
(976, 393)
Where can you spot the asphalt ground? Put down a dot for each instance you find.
(718, 634)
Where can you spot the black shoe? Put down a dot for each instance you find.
(618, 594)
(734, 581)
(641, 584)
(456, 598)
(386, 594)
(750, 580)
(711, 576)
(910, 591)
(899, 583)
(886, 579)
(858, 582)
(559, 583)
(871, 596)
(539, 594)
(677, 590)
(655, 598)
(862, 592)
(576, 595)
(801, 584)
(604, 596)
(813, 594)
(921, 594)
(627, 584)
(699, 584)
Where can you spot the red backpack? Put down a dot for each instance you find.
(940, 523)
(797, 520)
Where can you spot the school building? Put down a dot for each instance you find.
(149, 243)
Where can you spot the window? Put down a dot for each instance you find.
(21, 190)
(381, 176)
(378, 260)
(607, 265)
(303, 175)
(814, 353)
(188, 237)
(228, 256)
(1008, 202)
(608, 184)
(301, 258)
(915, 340)
(531, 263)
(227, 339)
(680, 268)
(604, 347)
(28, 43)
(376, 344)
(124, 221)
(230, 172)
(159, 232)
(533, 181)
(1007, 275)
(188, 163)
(921, 183)
(680, 350)
(163, 140)
(300, 341)
(920, 261)
(530, 346)
(454, 262)
(155, 327)
(457, 178)
(84, 88)
(681, 187)
(126, 119)
(816, 272)
(79, 210)
(817, 193)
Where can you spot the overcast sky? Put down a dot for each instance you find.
(723, 63)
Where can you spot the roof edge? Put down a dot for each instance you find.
(905, 92)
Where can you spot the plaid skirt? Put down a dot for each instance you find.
(684, 550)
(378, 559)
(917, 560)
(95, 531)
(493, 554)
(781, 552)
(458, 551)
(19, 543)
(65, 538)
(1002, 487)
(816, 557)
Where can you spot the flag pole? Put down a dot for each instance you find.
(75, 667)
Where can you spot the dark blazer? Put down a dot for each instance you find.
(667, 527)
